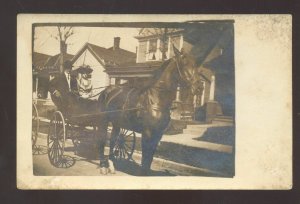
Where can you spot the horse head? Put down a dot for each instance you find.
(187, 70)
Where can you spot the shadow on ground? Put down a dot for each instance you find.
(220, 135)
(39, 150)
(132, 168)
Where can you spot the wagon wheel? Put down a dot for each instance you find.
(56, 139)
(35, 125)
(123, 144)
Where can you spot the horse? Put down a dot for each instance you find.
(152, 102)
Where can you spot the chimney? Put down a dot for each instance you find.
(116, 43)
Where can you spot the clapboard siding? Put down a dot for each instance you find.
(142, 51)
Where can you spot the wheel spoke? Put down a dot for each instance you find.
(125, 153)
(123, 143)
(52, 149)
(122, 154)
(125, 136)
(59, 146)
(68, 162)
(52, 146)
(131, 133)
(51, 153)
(128, 154)
(50, 140)
(123, 132)
(128, 147)
(57, 163)
(55, 123)
(54, 155)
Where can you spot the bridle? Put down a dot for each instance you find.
(180, 73)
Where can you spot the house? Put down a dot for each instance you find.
(211, 44)
(38, 60)
(53, 63)
(100, 59)
(42, 64)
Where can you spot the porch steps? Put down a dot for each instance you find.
(195, 130)
(223, 120)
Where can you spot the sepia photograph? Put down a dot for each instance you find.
(156, 100)
(129, 99)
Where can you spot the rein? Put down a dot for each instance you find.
(180, 74)
(177, 66)
(101, 87)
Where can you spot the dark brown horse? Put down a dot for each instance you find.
(152, 101)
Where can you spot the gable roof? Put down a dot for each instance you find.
(107, 56)
(39, 59)
(54, 61)
(146, 33)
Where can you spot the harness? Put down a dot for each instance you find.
(177, 66)
(180, 74)
(127, 98)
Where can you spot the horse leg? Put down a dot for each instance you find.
(114, 133)
(101, 141)
(150, 141)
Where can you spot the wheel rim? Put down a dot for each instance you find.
(124, 144)
(35, 125)
(56, 139)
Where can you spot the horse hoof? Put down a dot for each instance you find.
(111, 167)
(103, 170)
(103, 167)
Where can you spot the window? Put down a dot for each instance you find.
(166, 45)
(156, 49)
(152, 45)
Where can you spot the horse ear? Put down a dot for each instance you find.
(176, 51)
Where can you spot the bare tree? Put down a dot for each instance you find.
(63, 34)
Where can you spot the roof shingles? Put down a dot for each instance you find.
(112, 56)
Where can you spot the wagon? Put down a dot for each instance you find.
(79, 127)
(35, 125)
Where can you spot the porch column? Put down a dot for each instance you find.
(178, 94)
(169, 48)
(177, 108)
(202, 96)
(158, 54)
(212, 89)
(199, 98)
(107, 80)
(147, 50)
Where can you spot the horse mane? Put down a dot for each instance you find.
(156, 75)
(158, 72)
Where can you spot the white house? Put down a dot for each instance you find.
(100, 59)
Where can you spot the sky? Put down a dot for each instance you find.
(102, 36)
